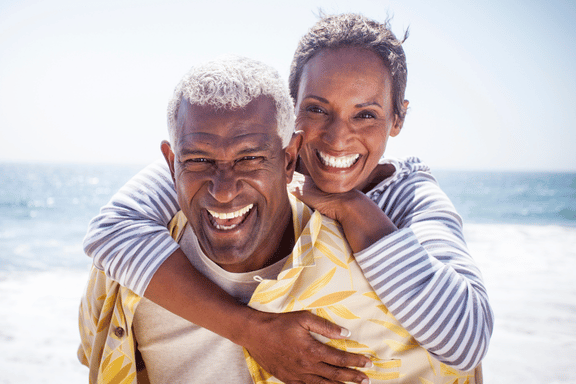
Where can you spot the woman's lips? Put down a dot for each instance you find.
(337, 161)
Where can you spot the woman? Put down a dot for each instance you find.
(347, 79)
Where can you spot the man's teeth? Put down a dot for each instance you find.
(225, 227)
(229, 215)
(338, 162)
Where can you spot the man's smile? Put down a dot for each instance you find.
(226, 221)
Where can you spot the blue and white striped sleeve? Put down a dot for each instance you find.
(129, 239)
(425, 276)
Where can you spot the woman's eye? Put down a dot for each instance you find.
(314, 109)
(366, 115)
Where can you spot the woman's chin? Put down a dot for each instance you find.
(335, 185)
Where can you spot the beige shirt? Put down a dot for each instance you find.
(177, 351)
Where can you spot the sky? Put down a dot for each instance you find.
(491, 86)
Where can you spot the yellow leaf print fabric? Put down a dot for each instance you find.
(322, 276)
(105, 319)
(108, 346)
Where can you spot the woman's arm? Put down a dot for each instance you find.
(129, 239)
(130, 242)
(419, 266)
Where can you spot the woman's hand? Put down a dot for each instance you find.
(331, 205)
(363, 222)
(281, 343)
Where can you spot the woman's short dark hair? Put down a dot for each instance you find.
(353, 30)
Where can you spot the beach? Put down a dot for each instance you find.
(529, 274)
(528, 270)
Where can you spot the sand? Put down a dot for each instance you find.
(529, 273)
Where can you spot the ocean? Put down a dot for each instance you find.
(535, 198)
(45, 208)
(520, 228)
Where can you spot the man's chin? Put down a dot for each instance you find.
(229, 249)
(230, 259)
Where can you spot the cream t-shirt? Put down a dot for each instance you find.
(178, 351)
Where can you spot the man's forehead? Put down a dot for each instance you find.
(238, 140)
(205, 125)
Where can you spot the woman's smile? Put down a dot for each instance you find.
(337, 161)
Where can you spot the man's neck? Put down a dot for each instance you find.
(286, 244)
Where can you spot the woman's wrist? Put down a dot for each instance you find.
(363, 222)
(242, 322)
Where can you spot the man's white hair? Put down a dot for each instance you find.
(232, 82)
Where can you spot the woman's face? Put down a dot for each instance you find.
(344, 106)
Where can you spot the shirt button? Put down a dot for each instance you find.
(119, 332)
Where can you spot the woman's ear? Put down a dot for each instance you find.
(291, 154)
(169, 156)
(399, 121)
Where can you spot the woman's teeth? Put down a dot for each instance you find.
(238, 215)
(338, 162)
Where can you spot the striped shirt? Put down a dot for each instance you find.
(422, 272)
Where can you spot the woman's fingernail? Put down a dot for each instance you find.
(345, 332)
(369, 364)
(366, 381)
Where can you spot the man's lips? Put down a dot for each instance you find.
(226, 221)
(337, 161)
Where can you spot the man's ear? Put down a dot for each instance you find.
(169, 156)
(291, 153)
(398, 121)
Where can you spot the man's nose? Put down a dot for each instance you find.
(224, 184)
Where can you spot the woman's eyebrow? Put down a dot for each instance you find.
(361, 105)
(321, 99)
(367, 104)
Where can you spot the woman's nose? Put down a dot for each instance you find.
(337, 134)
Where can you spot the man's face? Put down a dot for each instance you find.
(230, 173)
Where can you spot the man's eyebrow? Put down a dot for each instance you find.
(262, 147)
(193, 152)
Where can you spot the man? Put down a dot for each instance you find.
(205, 159)
(231, 154)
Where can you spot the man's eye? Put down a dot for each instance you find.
(196, 162)
(248, 163)
(249, 158)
